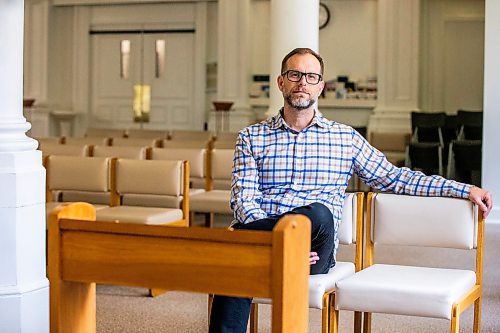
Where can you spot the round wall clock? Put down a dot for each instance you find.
(324, 15)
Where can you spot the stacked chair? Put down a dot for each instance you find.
(427, 126)
(425, 151)
(426, 157)
(464, 161)
(465, 152)
(470, 124)
(450, 143)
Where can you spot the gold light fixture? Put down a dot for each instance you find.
(142, 103)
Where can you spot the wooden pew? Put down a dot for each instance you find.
(250, 263)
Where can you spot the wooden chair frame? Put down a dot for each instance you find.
(83, 253)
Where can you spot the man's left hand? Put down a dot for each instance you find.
(482, 198)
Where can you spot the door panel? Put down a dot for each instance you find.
(172, 90)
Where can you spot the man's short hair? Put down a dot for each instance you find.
(301, 51)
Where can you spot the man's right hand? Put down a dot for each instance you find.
(313, 258)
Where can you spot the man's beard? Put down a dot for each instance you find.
(298, 103)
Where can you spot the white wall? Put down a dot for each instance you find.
(491, 136)
(347, 44)
(452, 53)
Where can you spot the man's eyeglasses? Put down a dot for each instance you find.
(296, 76)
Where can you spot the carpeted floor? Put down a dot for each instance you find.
(124, 309)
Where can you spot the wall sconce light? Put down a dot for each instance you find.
(124, 58)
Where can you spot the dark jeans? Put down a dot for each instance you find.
(230, 314)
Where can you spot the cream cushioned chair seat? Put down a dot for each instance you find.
(405, 290)
(320, 284)
(140, 215)
(195, 191)
(216, 201)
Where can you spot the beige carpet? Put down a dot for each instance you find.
(124, 309)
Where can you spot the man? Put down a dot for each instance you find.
(298, 162)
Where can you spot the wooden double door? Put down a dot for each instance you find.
(143, 79)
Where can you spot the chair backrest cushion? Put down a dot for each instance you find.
(134, 142)
(88, 141)
(147, 134)
(78, 173)
(347, 228)
(389, 141)
(49, 148)
(423, 221)
(104, 132)
(149, 177)
(195, 156)
(131, 152)
(222, 163)
(185, 143)
(190, 135)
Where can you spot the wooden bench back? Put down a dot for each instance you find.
(252, 264)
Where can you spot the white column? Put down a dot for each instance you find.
(36, 61)
(397, 64)
(491, 135)
(233, 65)
(294, 23)
(24, 292)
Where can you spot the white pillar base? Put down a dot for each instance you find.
(26, 311)
(24, 288)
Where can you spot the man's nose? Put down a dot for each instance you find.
(303, 80)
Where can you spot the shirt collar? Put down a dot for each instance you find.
(277, 121)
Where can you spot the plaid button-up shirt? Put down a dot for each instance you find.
(276, 169)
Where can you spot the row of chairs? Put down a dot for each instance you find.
(368, 287)
(462, 163)
(140, 191)
(442, 143)
(158, 134)
(74, 144)
(209, 177)
(438, 127)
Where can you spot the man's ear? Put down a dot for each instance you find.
(279, 80)
(322, 85)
